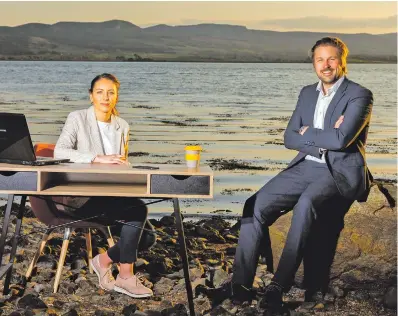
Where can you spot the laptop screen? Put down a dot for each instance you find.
(15, 141)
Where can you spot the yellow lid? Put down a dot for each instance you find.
(197, 147)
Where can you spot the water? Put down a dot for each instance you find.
(235, 111)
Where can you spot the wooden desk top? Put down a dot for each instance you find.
(110, 168)
(78, 179)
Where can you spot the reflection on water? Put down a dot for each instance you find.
(235, 111)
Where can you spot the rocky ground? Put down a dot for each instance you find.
(363, 278)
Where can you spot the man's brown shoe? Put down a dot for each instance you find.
(132, 287)
(105, 278)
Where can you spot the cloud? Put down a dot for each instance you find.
(324, 22)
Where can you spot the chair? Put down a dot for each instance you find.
(51, 214)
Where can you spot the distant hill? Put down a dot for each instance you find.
(121, 40)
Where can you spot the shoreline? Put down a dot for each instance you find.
(209, 61)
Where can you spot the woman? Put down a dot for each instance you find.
(99, 135)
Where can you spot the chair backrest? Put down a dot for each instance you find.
(41, 208)
(44, 149)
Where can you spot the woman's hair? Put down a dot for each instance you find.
(111, 78)
(335, 42)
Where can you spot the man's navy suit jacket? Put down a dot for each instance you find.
(345, 145)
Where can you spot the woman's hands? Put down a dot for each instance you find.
(113, 159)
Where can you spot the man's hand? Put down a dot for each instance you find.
(302, 130)
(114, 159)
(339, 121)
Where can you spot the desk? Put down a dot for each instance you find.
(169, 181)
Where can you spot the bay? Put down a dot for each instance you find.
(237, 112)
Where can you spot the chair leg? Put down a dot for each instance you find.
(109, 237)
(38, 253)
(107, 232)
(61, 261)
(89, 250)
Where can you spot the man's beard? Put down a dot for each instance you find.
(330, 79)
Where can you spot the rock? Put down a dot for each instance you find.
(329, 298)
(230, 251)
(155, 223)
(390, 298)
(163, 286)
(160, 266)
(176, 275)
(229, 306)
(232, 238)
(216, 223)
(337, 291)
(176, 310)
(39, 287)
(46, 263)
(219, 311)
(307, 306)
(71, 312)
(202, 304)
(168, 221)
(358, 295)
(51, 312)
(99, 312)
(129, 310)
(80, 278)
(67, 287)
(212, 262)
(200, 281)
(165, 304)
(85, 285)
(58, 304)
(44, 276)
(170, 241)
(31, 301)
(70, 306)
(248, 311)
(150, 313)
(209, 233)
(139, 313)
(201, 243)
(17, 278)
(79, 264)
(218, 277)
(194, 273)
(140, 263)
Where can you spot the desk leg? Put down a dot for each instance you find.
(184, 256)
(14, 243)
(5, 226)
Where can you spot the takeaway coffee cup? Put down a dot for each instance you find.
(192, 156)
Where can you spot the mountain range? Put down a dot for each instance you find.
(124, 41)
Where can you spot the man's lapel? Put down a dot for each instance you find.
(313, 99)
(94, 131)
(333, 104)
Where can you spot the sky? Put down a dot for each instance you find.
(375, 17)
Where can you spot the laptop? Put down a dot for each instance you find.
(16, 145)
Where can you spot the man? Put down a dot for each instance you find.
(329, 128)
